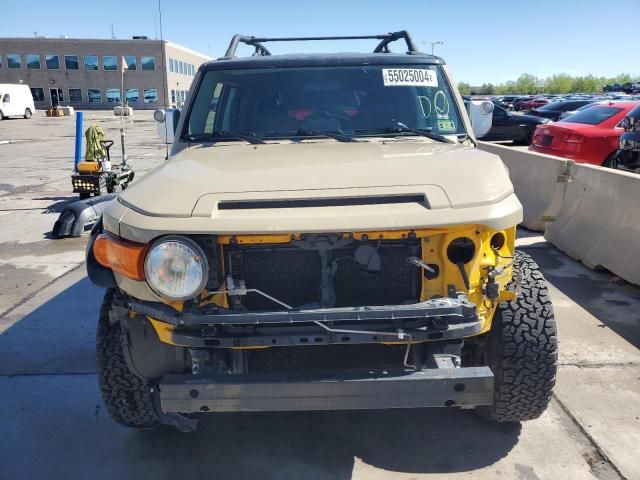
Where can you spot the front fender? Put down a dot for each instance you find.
(98, 274)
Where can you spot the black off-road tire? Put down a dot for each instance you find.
(523, 348)
(128, 398)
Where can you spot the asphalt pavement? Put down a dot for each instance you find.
(54, 424)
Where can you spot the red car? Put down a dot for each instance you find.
(534, 103)
(589, 136)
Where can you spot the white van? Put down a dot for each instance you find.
(15, 101)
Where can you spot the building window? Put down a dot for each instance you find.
(113, 95)
(0, 61)
(171, 64)
(148, 63)
(132, 95)
(71, 62)
(52, 62)
(150, 95)
(37, 94)
(173, 96)
(131, 62)
(57, 96)
(110, 63)
(14, 61)
(94, 95)
(75, 95)
(33, 62)
(181, 68)
(90, 63)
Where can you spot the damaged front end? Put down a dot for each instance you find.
(354, 320)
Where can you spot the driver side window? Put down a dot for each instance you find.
(211, 115)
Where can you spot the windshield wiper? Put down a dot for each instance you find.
(425, 132)
(339, 136)
(224, 135)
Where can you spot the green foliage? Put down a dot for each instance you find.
(560, 83)
(527, 83)
(465, 88)
(486, 89)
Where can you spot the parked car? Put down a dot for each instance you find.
(517, 103)
(15, 101)
(590, 136)
(517, 128)
(534, 103)
(628, 155)
(507, 101)
(553, 110)
(568, 113)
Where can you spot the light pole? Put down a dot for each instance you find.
(433, 44)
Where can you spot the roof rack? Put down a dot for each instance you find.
(261, 50)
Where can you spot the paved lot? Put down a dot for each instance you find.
(35, 184)
(55, 426)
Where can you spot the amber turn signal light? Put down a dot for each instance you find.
(122, 256)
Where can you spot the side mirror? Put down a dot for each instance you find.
(167, 123)
(481, 115)
(6, 99)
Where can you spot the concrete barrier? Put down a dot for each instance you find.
(539, 180)
(599, 220)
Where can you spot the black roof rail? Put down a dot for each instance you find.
(261, 50)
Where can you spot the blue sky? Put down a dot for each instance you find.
(488, 41)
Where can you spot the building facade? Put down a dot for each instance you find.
(87, 74)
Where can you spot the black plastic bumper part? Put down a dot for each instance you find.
(450, 308)
(434, 319)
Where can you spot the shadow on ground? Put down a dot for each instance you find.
(58, 203)
(616, 304)
(315, 445)
(47, 358)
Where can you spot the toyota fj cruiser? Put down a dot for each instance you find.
(326, 235)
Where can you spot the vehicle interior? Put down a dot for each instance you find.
(353, 100)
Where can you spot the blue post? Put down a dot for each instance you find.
(79, 120)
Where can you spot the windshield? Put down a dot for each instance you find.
(563, 106)
(593, 116)
(351, 100)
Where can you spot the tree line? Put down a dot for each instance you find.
(560, 83)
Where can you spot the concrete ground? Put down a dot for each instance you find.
(54, 424)
(36, 161)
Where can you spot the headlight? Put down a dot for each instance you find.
(176, 268)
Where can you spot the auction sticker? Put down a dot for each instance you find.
(446, 126)
(409, 77)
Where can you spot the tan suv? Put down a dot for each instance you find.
(325, 235)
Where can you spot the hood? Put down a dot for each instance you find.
(449, 175)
